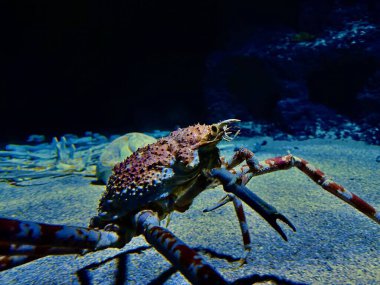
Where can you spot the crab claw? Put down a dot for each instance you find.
(272, 220)
(268, 212)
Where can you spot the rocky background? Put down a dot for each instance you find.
(293, 68)
(319, 73)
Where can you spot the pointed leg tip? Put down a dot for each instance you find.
(286, 221)
(292, 226)
(279, 230)
(282, 218)
(284, 237)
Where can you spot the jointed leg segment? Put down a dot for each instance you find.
(22, 241)
(289, 161)
(238, 205)
(187, 260)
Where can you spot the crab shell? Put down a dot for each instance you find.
(158, 173)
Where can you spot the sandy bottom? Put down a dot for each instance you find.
(334, 243)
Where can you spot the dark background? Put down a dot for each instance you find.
(143, 65)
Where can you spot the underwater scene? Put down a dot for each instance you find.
(190, 142)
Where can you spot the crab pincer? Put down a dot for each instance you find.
(268, 212)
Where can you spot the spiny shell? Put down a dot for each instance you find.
(148, 174)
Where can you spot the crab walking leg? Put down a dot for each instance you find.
(238, 205)
(21, 232)
(187, 260)
(288, 161)
(12, 255)
(242, 154)
(22, 242)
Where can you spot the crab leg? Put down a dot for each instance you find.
(187, 260)
(22, 232)
(21, 241)
(242, 154)
(238, 205)
(255, 168)
(288, 161)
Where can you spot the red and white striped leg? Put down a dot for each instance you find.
(22, 241)
(238, 205)
(22, 232)
(288, 161)
(187, 260)
(12, 255)
(239, 156)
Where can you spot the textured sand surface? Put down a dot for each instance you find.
(334, 243)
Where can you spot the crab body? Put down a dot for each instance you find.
(159, 175)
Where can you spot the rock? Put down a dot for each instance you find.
(118, 150)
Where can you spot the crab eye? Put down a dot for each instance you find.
(214, 129)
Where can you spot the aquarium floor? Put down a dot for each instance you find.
(334, 243)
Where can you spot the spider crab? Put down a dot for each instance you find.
(153, 182)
